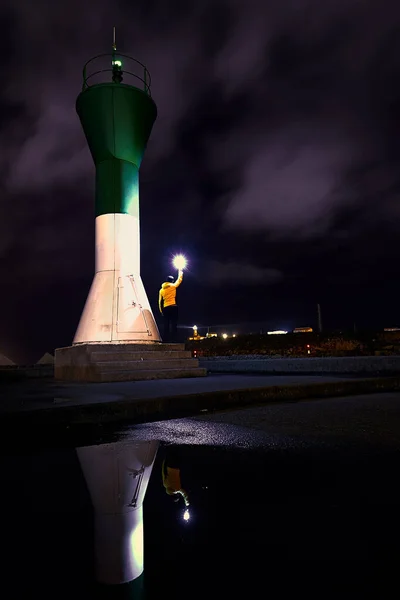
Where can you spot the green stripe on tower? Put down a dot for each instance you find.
(117, 188)
(117, 120)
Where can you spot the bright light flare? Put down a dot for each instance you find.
(224, 335)
(179, 261)
(186, 515)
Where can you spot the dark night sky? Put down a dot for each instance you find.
(274, 162)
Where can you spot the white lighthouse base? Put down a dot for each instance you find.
(117, 307)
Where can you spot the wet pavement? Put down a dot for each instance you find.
(48, 413)
(311, 481)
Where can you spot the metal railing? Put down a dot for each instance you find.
(144, 77)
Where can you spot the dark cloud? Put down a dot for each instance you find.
(239, 274)
(277, 128)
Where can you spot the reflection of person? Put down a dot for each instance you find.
(168, 306)
(171, 475)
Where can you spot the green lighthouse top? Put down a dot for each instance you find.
(117, 114)
(116, 68)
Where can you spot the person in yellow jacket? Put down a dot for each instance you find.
(172, 482)
(168, 306)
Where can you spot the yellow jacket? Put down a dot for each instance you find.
(172, 482)
(167, 294)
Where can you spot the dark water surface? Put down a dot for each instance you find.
(255, 497)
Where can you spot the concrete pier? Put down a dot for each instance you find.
(107, 362)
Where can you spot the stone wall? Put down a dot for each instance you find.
(250, 364)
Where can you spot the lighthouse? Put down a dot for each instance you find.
(117, 117)
(117, 338)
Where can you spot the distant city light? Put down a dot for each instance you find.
(186, 515)
(234, 335)
(277, 332)
(224, 335)
(179, 261)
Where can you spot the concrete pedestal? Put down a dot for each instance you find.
(124, 361)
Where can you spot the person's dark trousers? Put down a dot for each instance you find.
(170, 323)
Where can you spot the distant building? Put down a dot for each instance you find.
(277, 332)
(6, 362)
(303, 330)
(47, 359)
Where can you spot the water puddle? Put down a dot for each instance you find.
(170, 506)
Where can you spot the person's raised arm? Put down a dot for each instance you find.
(160, 301)
(179, 280)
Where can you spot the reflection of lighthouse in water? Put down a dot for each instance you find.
(117, 476)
